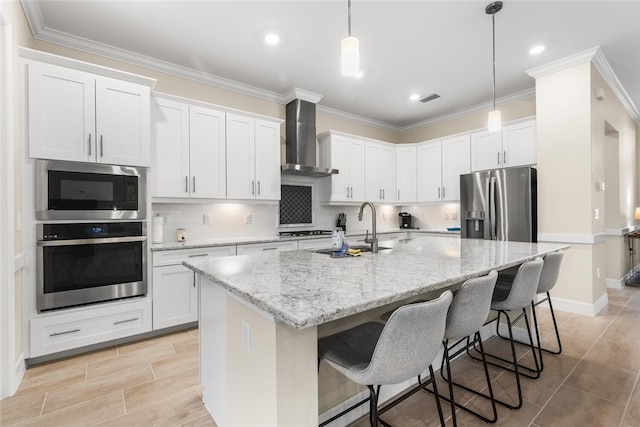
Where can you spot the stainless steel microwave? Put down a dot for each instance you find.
(86, 191)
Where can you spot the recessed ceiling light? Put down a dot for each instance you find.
(359, 75)
(272, 38)
(536, 49)
(414, 97)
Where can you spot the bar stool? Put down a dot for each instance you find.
(468, 312)
(517, 298)
(548, 279)
(374, 354)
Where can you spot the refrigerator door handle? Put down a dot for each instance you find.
(492, 208)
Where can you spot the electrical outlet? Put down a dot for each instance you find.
(207, 219)
(384, 216)
(454, 215)
(446, 216)
(165, 219)
(247, 218)
(245, 336)
(596, 214)
(598, 272)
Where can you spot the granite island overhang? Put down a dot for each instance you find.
(258, 314)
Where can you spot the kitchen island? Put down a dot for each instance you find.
(259, 315)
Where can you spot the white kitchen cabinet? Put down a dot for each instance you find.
(380, 172)
(347, 154)
(406, 173)
(253, 158)
(440, 164)
(189, 155)
(514, 145)
(252, 248)
(73, 328)
(175, 292)
(79, 116)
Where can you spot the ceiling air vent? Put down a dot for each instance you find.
(428, 98)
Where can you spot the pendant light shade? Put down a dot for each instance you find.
(350, 48)
(350, 56)
(495, 121)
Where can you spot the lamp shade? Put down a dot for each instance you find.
(495, 122)
(637, 215)
(350, 56)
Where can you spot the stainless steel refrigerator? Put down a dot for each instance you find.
(499, 204)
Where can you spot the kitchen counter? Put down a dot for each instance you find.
(208, 243)
(259, 315)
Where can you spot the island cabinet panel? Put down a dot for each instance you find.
(175, 293)
(253, 158)
(406, 173)
(440, 164)
(513, 145)
(79, 116)
(347, 154)
(380, 172)
(189, 150)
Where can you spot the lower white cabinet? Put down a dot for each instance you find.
(55, 332)
(253, 248)
(323, 243)
(175, 292)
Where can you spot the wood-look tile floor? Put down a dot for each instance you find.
(594, 382)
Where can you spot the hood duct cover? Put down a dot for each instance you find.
(300, 140)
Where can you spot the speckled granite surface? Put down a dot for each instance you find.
(304, 288)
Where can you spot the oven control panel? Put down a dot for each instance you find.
(93, 230)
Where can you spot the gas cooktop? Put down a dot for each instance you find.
(305, 233)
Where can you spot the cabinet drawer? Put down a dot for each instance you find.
(175, 257)
(265, 247)
(65, 331)
(315, 243)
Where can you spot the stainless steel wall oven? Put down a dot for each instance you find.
(84, 263)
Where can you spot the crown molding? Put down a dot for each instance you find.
(332, 112)
(305, 95)
(595, 56)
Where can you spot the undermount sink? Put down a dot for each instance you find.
(363, 248)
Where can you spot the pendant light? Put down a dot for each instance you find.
(494, 122)
(350, 48)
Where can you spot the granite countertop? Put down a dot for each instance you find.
(207, 243)
(303, 288)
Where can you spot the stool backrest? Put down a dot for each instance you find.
(524, 287)
(409, 342)
(550, 271)
(470, 307)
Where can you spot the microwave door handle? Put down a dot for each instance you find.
(76, 242)
(492, 208)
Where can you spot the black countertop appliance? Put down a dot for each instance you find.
(405, 220)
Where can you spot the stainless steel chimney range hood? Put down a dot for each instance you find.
(300, 138)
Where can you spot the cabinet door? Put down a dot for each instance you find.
(486, 150)
(267, 158)
(123, 122)
(170, 159)
(338, 147)
(373, 181)
(519, 143)
(175, 296)
(208, 163)
(61, 120)
(355, 170)
(429, 171)
(387, 173)
(241, 180)
(407, 177)
(456, 161)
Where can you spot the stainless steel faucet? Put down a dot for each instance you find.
(374, 234)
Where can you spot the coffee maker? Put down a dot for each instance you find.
(405, 220)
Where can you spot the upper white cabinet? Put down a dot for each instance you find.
(79, 116)
(406, 173)
(440, 164)
(189, 158)
(380, 172)
(514, 145)
(253, 158)
(347, 154)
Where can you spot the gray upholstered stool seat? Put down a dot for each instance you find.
(521, 294)
(373, 354)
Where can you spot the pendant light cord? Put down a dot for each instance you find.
(349, 15)
(493, 20)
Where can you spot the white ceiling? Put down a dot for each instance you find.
(405, 46)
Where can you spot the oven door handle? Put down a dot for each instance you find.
(91, 241)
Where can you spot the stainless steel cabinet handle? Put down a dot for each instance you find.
(198, 255)
(55, 334)
(443, 192)
(133, 319)
(253, 187)
(186, 184)
(498, 157)
(504, 157)
(383, 193)
(347, 192)
(101, 147)
(438, 192)
(380, 193)
(351, 195)
(89, 144)
(398, 194)
(194, 279)
(194, 184)
(258, 188)
(269, 249)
